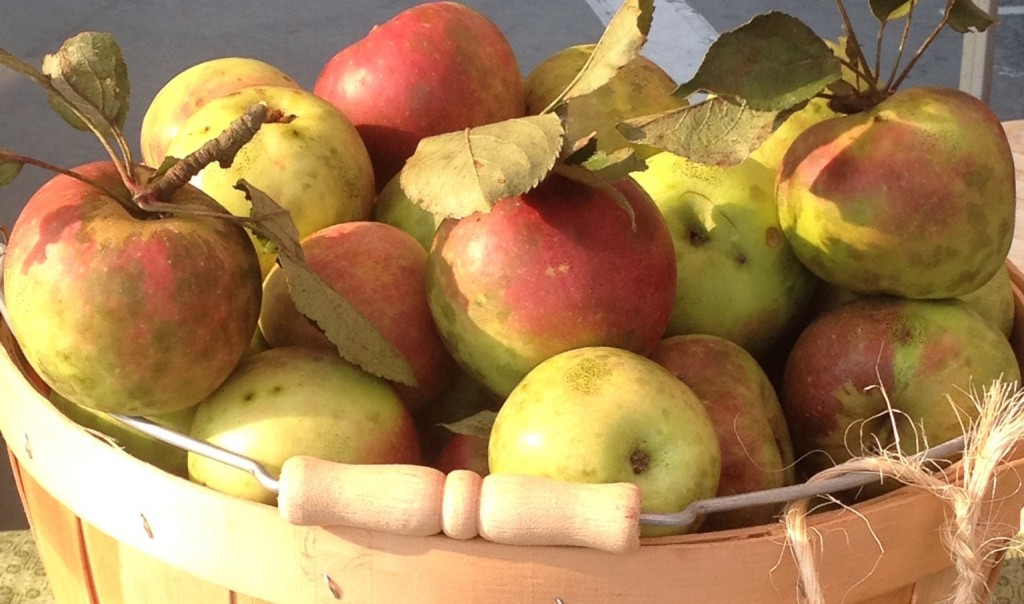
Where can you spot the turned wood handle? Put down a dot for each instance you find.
(421, 501)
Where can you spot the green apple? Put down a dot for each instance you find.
(640, 88)
(737, 276)
(757, 452)
(168, 458)
(772, 150)
(186, 92)
(606, 415)
(315, 165)
(298, 400)
(394, 207)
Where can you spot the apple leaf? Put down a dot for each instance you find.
(89, 71)
(715, 131)
(620, 43)
(478, 424)
(772, 62)
(965, 16)
(356, 339)
(891, 10)
(9, 170)
(849, 82)
(458, 173)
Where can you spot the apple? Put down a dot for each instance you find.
(464, 452)
(186, 92)
(168, 458)
(559, 267)
(757, 452)
(113, 306)
(924, 356)
(773, 149)
(434, 68)
(298, 400)
(993, 300)
(639, 88)
(913, 197)
(464, 397)
(738, 277)
(314, 166)
(381, 271)
(394, 207)
(605, 415)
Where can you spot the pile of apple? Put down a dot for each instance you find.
(582, 273)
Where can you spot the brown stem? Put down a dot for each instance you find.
(878, 48)
(924, 45)
(221, 149)
(903, 46)
(31, 161)
(859, 51)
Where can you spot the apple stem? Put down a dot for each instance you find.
(221, 149)
(31, 161)
(924, 45)
(902, 48)
(859, 57)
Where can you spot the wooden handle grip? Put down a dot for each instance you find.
(522, 510)
(399, 499)
(503, 508)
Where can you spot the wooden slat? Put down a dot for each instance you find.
(57, 533)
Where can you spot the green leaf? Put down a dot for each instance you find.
(715, 131)
(90, 72)
(458, 173)
(478, 424)
(620, 43)
(772, 62)
(356, 339)
(9, 170)
(891, 10)
(965, 16)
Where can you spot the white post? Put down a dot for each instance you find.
(976, 61)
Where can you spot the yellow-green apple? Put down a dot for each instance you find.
(298, 400)
(605, 415)
(921, 357)
(381, 271)
(559, 267)
(913, 197)
(773, 149)
(168, 458)
(186, 92)
(639, 88)
(315, 165)
(394, 207)
(757, 452)
(464, 452)
(113, 306)
(434, 68)
(737, 275)
(994, 300)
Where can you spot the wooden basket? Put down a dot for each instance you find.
(113, 529)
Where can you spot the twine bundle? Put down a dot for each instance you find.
(989, 440)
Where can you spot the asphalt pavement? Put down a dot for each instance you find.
(161, 38)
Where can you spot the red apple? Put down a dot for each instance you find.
(127, 311)
(380, 270)
(921, 358)
(434, 68)
(464, 452)
(559, 267)
(757, 452)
